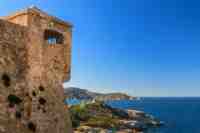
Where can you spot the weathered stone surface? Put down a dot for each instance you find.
(32, 72)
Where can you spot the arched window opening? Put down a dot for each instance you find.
(53, 37)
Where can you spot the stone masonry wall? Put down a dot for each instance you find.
(13, 69)
(48, 64)
(31, 74)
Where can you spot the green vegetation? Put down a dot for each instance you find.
(78, 113)
(94, 115)
(102, 121)
(13, 99)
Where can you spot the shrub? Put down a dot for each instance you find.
(13, 99)
(78, 114)
(103, 122)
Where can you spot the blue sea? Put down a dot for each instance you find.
(181, 115)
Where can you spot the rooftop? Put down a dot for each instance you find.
(39, 11)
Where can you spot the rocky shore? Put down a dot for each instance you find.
(100, 118)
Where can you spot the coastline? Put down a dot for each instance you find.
(102, 118)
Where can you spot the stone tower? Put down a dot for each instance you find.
(35, 58)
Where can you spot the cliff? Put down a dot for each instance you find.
(114, 96)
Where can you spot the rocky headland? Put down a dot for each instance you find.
(83, 94)
(98, 117)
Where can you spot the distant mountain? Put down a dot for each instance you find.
(83, 94)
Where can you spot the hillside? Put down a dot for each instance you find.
(99, 117)
(83, 94)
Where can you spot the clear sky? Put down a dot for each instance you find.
(141, 47)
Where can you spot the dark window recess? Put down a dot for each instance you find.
(56, 119)
(32, 126)
(42, 101)
(27, 94)
(53, 37)
(44, 111)
(6, 80)
(13, 99)
(34, 93)
(21, 109)
(38, 108)
(41, 88)
(18, 115)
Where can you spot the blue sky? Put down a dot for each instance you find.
(141, 47)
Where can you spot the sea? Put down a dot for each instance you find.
(180, 115)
